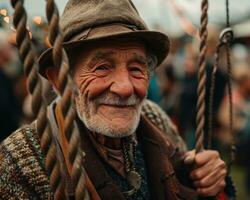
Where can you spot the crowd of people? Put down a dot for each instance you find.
(173, 87)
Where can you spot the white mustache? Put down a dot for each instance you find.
(116, 100)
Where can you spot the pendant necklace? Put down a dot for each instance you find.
(132, 176)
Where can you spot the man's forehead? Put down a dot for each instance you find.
(109, 49)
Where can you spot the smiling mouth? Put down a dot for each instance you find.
(118, 106)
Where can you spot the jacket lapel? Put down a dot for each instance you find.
(157, 149)
(96, 171)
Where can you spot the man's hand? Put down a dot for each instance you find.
(209, 172)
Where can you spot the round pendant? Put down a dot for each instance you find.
(134, 179)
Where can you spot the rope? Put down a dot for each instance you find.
(34, 86)
(74, 155)
(229, 39)
(201, 90)
(211, 96)
(229, 77)
(227, 14)
(226, 38)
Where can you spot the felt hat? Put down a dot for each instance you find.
(86, 21)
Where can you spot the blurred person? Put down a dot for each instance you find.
(170, 92)
(241, 117)
(10, 112)
(240, 100)
(154, 92)
(186, 113)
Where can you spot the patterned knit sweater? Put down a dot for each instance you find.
(22, 173)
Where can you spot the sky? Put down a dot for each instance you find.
(161, 12)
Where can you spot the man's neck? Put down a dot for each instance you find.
(109, 142)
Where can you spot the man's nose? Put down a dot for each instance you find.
(121, 84)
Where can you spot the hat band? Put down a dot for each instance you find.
(101, 31)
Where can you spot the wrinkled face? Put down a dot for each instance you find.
(112, 84)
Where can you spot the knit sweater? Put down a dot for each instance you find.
(22, 173)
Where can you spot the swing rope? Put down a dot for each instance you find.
(34, 87)
(201, 90)
(74, 155)
(226, 38)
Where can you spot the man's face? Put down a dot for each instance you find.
(112, 81)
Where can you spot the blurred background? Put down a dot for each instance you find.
(174, 84)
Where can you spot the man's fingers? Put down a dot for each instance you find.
(214, 189)
(211, 179)
(201, 158)
(199, 173)
(207, 169)
(189, 157)
(206, 157)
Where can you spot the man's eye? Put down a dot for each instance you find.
(135, 69)
(101, 68)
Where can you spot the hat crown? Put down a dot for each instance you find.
(80, 15)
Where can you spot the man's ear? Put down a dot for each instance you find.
(52, 75)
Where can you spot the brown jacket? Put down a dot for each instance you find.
(158, 150)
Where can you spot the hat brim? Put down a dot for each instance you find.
(156, 42)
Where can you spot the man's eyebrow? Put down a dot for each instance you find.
(100, 55)
(138, 58)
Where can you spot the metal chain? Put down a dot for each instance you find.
(34, 86)
(74, 156)
(201, 90)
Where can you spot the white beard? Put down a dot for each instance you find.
(87, 113)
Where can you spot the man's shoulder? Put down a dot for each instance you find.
(161, 120)
(157, 116)
(22, 164)
(21, 148)
(21, 142)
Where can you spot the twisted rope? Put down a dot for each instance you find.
(226, 38)
(201, 90)
(229, 39)
(229, 78)
(211, 95)
(73, 153)
(227, 14)
(34, 86)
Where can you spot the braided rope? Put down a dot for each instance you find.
(229, 39)
(34, 86)
(74, 155)
(201, 79)
(226, 38)
(229, 77)
(227, 14)
(211, 96)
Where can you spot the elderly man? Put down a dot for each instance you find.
(132, 149)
